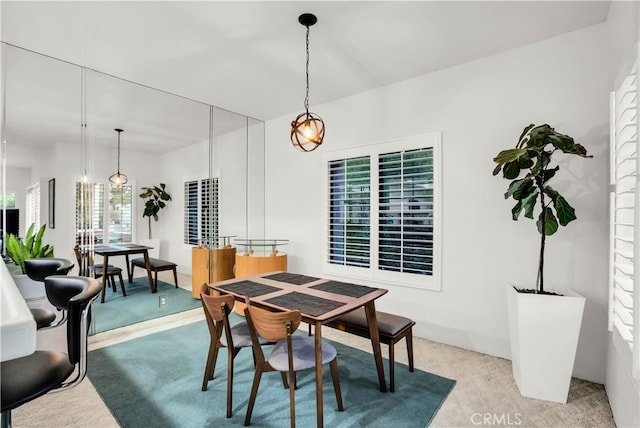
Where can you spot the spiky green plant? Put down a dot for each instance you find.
(532, 156)
(29, 248)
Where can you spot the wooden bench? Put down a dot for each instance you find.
(391, 328)
(156, 265)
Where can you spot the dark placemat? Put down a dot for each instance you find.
(249, 288)
(344, 288)
(305, 303)
(291, 278)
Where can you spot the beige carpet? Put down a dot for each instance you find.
(485, 393)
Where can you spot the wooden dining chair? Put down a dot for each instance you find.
(290, 353)
(223, 335)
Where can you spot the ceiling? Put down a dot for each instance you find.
(249, 57)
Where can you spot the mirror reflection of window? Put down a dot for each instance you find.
(201, 212)
(33, 206)
(120, 213)
(89, 213)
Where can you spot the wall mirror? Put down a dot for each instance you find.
(58, 123)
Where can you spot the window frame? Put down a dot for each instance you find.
(373, 273)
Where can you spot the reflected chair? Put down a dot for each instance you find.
(37, 270)
(216, 311)
(290, 353)
(27, 378)
(156, 265)
(85, 263)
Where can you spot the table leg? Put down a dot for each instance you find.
(129, 271)
(105, 263)
(372, 321)
(318, 338)
(147, 263)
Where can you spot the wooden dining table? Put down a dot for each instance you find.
(126, 250)
(318, 300)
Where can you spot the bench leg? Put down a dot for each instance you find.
(392, 379)
(410, 349)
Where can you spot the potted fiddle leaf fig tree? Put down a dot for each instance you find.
(542, 362)
(155, 198)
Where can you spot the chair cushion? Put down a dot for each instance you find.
(155, 263)
(388, 324)
(241, 336)
(304, 354)
(27, 378)
(111, 270)
(43, 317)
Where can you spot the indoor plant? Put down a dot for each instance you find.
(542, 362)
(29, 248)
(155, 198)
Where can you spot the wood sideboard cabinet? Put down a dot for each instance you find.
(211, 265)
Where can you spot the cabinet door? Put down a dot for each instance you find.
(199, 270)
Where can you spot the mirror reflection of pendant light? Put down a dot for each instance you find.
(307, 130)
(118, 179)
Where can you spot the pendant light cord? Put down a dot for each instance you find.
(306, 98)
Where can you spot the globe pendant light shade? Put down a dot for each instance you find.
(307, 130)
(118, 178)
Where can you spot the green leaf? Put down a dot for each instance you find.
(529, 203)
(550, 222)
(566, 213)
(511, 170)
(508, 155)
(525, 189)
(548, 174)
(497, 169)
(525, 131)
(516, 210)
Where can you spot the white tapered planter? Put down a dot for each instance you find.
(544, 332)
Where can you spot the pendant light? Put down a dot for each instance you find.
(307, 130)
(118, 179)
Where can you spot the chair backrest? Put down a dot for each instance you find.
(273, 326)
(85, 261)
(39, 269)
(216, 312)
(75, 294)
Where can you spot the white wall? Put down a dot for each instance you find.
(480, 108)
(623, 391)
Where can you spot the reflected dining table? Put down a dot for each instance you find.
(319, 301)
(126, 250)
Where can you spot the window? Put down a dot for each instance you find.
(9, 201)
(89, 213)
(32, 215)
(201, 211)
(120, 213)
(382, 212)
(624, 215)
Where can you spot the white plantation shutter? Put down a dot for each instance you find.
(383, 212)
(406, 211)
(350, 212)
(201, 211)
(32, 215)
(89, 213)
(191, 212)
(624, 201)
(209, 210)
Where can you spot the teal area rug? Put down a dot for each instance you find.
(139, 304)
(155, 381)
